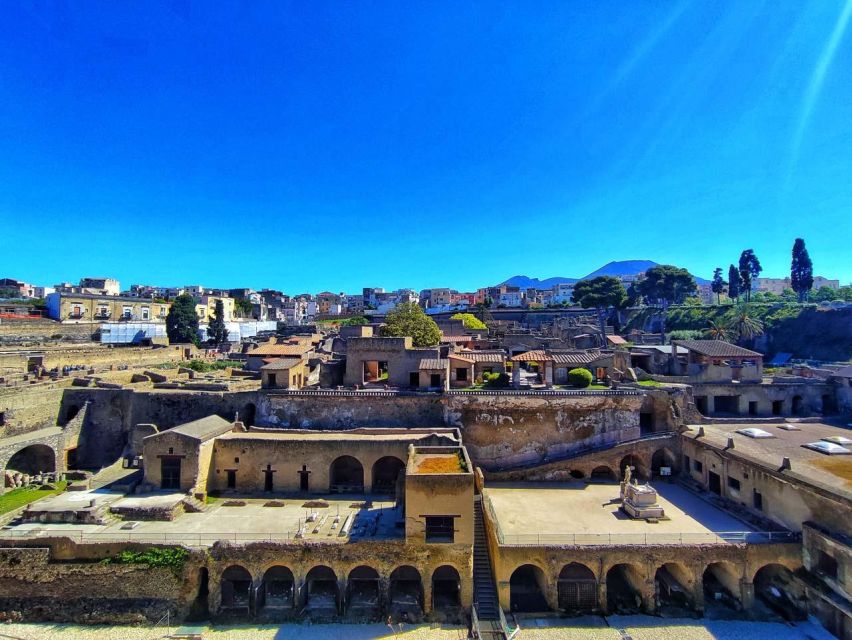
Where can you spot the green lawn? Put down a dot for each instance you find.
(21, 496)
(650, 383)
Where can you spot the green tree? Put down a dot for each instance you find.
(408, 319)
(717, 331)
(734, 283)
(600, 294)
(469, 321)
(665, 285)
(826, 294)
(801, 270)
(746, 326)
(243, 307)
(749, 270)
(216, 330)
(719, 285)
(182, 321)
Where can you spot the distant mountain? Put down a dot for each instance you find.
(616, 268)
(524, 282)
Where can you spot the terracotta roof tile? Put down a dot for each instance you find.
(718, 349)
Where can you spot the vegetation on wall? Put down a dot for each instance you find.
(203, 366)
(469, 321)
(170, 557)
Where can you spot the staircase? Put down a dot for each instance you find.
(484, 592)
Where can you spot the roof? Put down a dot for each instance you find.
(843, 372)
(616, 340)
(662, 348)
(480, 356)
(457, 338)
(780, 358)
(718, 349)
(280, 364)
(532, 356)
(202, 429)
(433, 364)
(463, 358)
(575, 357)
(280, 350)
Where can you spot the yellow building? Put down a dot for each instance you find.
(84, 308)
(207, 305)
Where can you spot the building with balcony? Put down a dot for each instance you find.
(89, 308)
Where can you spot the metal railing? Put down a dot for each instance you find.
(360, 393)
(615, 539)
(187, 539)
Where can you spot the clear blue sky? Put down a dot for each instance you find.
(311, 146)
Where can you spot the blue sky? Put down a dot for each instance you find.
(310, 146)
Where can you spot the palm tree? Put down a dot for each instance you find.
(717, 331)
(746, 327)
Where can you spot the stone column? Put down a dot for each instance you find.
(602, 603)
(747, 597)
(516, 375)
(548, 374)
(698, 594)
(341, 588)
(504, 594)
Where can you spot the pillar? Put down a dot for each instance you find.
(516, 375)
(698, 592)
(548, 374)
(300, 595)
(465, 591)
(504, 594)
(602, 603)
(341, 588)
(747, 595)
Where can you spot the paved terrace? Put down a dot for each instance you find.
(588, 514)
(344, 520)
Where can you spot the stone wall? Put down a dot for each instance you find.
(29, 408)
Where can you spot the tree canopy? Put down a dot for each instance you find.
(801, 270)
(749, 269)
(182, 321)
(719, 284)
(667, 284)
(408, 319)
(600, 293)
(216, 330)
(469, 321)
(734, 282)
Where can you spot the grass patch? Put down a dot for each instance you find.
(22, 496)
(650, 383)
(203, 366)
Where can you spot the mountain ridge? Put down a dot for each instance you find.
(613, 268)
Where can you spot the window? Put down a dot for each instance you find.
(440, 529)
(733, 483)
(127, 311)
(757, 499)
(826, 565)
(699, 468)
(146, 313)
(461, 374)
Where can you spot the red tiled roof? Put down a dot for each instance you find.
(616, 340)
(717, 349)
(532, 356)
(481, 356)
(280, 350)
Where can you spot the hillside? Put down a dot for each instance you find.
(804, 331)
(615, 268)
(525, 282)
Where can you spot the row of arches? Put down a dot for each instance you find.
(346, 475)
(673, 589)
(322, 593)
(643, 470)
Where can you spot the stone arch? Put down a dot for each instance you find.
(321, 591)
(673, 584)
(603, 473)
(639, 471)
(446, 588)
(577, 474)
(277, 588)
(248, 414)
(363, 596)
(662, 458)
(527, 589)
(721, 584)
(32, 459)
(346, 475)
(776, 591)
(624, 589)
(577, 589)
(236, 586)
(385, 474)
(405, 592)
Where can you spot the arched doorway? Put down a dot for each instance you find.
(603, 474)
(322, 595)
(362, 592)
(577, 589)
(526, 590)
(71, 412)
(673, 586)
(200, 608)
(721, 584)
(277, 591)
(247, 415)
(624, 589)
(576, 474)
(346, 476)
(236, 589)
(446, 589)
(405, 593)
(662, 458)
(386, 471)
(34, 459)
(778, 593)
(638, 468)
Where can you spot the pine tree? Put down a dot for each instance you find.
(749, 270)
(734, 283)
(600, 294)
(182, 321)
(801, 270)
(216, 330)
(719, 285)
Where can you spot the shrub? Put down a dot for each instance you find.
(171, 557)
(496, 380)
(469, 321)
(580, 378)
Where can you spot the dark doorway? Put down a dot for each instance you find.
(798, 406)
(646, 422)
(446, 588)
(752, 407)
(777, 407)
(248, 414)
(267, 478)
(779, 592)
(277, 589)
(414, 379)
(232, 478)
(386, 472)
(236, 589)
(435, 380)
(603, 474)
(623, 592)
(346, 476)
(526, 590)
(577, 589)
(662, 463)
(200, 607)
(362, 592)
(715, 483)
(71, 413)
(322, 594)
(673, 588)
(304, 478)
(33, 459)
(726, 404)
(701, 404)
(721, 588)
(638, 470)
(828, 405)
(405, 592)
(170, 473)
